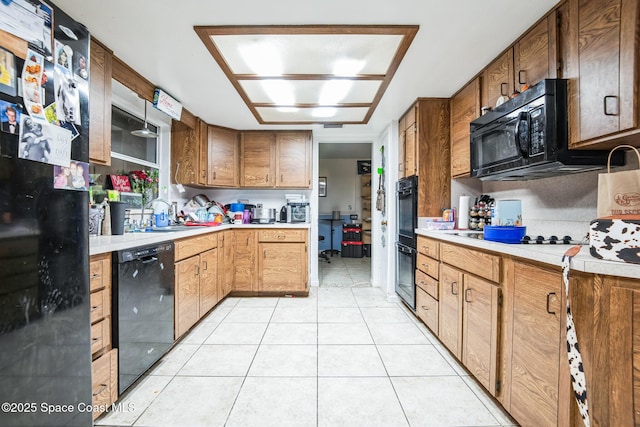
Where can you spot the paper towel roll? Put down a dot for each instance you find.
(463, 213)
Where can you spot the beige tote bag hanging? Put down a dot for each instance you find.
(619, 192)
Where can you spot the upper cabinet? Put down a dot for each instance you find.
(600, 41)
(101, 60)
(280, 159)
(293, 159)
(465, 107)
(535, 54)
(258, 154)
(497, 79)
(222, 157)
(185, 154)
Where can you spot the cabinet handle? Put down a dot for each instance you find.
(264, 254)
(520, 76)
(197, 270)
(425, 308)
(281, 177)
(214, 174)
(94, 308)
(205, 265)
(94, 276)
(281, 236)
(266, 178)
(503, 89)
(426, 267)
(247, 241)
(550, 296)
(204, 173)
(454, 288)
(467, 295)
(102, 388)
(425, 249)
(95, 340)
(606, 104)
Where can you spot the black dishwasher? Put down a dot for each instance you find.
(142, 308)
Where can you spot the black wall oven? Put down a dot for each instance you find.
(407, 219)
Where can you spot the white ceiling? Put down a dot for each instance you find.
(156, 38)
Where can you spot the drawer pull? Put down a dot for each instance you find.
(281, 236)
(95, 340)
(425, 308)
(551, 297)
(426, 267)
(425, 249)
(95, 276)
(94, 308)
(102, 388)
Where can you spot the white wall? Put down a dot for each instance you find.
(343, 186)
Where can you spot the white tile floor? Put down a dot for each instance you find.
(345, 272)
(341, 357)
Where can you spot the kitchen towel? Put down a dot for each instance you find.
(619, 192)
(463, 213)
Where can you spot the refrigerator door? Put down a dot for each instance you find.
(45, 353)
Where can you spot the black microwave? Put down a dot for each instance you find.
(527, 138)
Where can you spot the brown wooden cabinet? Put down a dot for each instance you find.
(535, 365)
(535, 54)
(258, 155)
(427, 274)
(293, 159)
(185, 154)
(465, 107)
(470, 314)
(244, 261)
(282, 261)
(408, 153)
(497, 79)
(223, 157)
(101, 60)
(226, 243)
(104, 368)
(600, 41)
(196, 277)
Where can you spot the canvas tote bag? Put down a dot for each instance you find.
(619, 192)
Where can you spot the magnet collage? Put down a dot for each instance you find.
(43, 104)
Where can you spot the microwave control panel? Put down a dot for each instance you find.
(537, 131)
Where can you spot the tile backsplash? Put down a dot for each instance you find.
(558, 205)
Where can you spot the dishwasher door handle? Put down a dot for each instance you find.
(148, 260)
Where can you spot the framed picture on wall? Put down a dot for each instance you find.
(364, 167)
(322, 186)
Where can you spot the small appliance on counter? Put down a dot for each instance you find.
(260, 215)
(296, 210)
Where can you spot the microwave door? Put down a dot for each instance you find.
(497, 146)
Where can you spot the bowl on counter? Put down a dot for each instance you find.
(504, 233)
(435, 223)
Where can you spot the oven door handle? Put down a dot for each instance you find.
(522, 145)
(405, 250)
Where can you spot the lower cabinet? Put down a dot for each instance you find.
(245, 261)
(427, 309)
(104, 375)
(469, 322)
(226, 243)
(196, 280)
(535, 365)
(282, 261)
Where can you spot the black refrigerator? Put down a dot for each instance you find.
(45, 352)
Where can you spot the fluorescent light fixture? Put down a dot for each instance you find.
(287, 109)
(279, 91)
(324, 112)
(348, 67)
(334, 91)
(262, 57)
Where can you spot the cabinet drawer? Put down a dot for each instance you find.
(427, 265)
(104, 380)
(100, 335)
(282, 235)
(194, 245)
(477, 262)
(429, 247)
(427, 309)
(427, 283)
(100, 271)
(100, 305)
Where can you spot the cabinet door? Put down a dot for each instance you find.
(401, 147)
(410, 157)
(534, 55)
(208, 280)
(101, 60)
(450, 324)
(244, 260)
(497, 79)
(480, 330)
(465, 107)
(185, 154)
(537, 311)
(187, 296)
(225, 263)
(257, 158)
(223, 157)
(281, 267)
(293, 164)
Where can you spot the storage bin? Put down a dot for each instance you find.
(351, 249)
(366, 249)
(352, 232)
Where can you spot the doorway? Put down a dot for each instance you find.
(344, 214)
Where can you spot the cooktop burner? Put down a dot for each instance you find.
(551, 240)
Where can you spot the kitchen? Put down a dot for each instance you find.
(545, 212)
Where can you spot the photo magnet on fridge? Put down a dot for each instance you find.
(8, 84)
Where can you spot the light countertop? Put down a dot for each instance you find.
(103, 244)
(549, 254)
